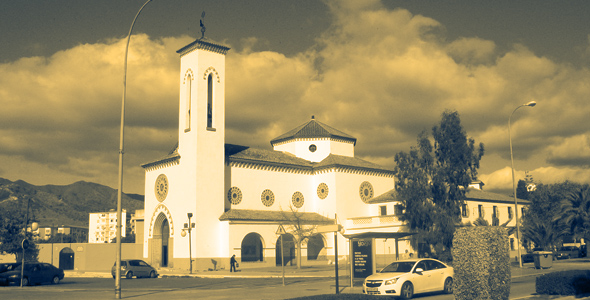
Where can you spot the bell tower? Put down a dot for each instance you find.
(201, 139)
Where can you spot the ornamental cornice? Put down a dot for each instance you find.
(162, 163)
(161, 208)
(203, 44)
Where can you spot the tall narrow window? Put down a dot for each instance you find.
(188, 102)
(480, 211)
(509, 212)
(210, 101)
(382, 210)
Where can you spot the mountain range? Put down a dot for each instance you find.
(64, 204)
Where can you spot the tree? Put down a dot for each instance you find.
(12, 233)
(299, 227)
(541, 222)
(521, 190)
(431, 181)
(575, 211)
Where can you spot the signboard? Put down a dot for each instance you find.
(329, 228)
(363, 258)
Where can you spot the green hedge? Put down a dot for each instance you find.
(573, 282)
(481, 261)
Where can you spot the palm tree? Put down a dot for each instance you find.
(575, 212)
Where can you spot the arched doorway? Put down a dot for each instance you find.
(315, 244)
(289, 246)
(252, 249)
(160, 241)
(66, 259)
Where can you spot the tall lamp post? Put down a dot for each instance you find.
(531, 104)
(25, 242)
(119, 192)
(188, 227)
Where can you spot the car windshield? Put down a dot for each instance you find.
(399, 267)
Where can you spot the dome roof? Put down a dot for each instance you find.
(313, 129)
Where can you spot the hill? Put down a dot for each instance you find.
(64, 204)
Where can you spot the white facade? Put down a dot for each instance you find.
(102, 226)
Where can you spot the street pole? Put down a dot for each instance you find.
(336, 255)
(283, 258)
(531, 104)
(190, 250)
(121, 151)
(23, 244)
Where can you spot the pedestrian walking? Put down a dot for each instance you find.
(233, 263)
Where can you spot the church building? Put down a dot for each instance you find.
(237, 196)
(208, 200)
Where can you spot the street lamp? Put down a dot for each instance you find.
(25, 242)
(531, 104)
(188, 227)
(120, 191)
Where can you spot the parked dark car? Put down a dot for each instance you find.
(5, 267)
(568, 252)
(134, 267)
(34, 273)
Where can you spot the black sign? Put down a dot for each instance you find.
(363, 258)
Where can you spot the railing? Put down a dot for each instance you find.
(379, 221)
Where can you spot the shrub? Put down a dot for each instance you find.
(481, 261)
(573, 282)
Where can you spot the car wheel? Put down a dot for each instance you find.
(407, 291)
(448, 289)
(129, 275)
(25, 281)
(55, 280)
(153, 274)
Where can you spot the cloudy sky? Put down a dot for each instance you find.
(381, 71)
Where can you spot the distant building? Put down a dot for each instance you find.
(102, 226)
(79, 233)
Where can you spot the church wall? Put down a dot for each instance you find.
(342, 148)
(252, 183)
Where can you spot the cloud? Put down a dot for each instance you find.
(380, 75)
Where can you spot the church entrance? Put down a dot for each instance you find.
(161, 241)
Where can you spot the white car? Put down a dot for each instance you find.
(405, 278)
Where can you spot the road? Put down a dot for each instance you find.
(208, 288)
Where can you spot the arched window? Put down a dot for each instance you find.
(315, 245)
(288, 249)
(210, 101)
(188, 102)
(252, 249)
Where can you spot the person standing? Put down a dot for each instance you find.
(232, 263)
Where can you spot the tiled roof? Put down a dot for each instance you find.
(243, 153)
(389, 196)
(479, 195)
(347, 161)
(238, 153)
(274, 216)
(313, 129)
(205, 44)
(472, 194)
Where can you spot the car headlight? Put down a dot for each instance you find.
(390, 281)
(14, 276)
